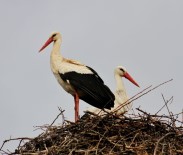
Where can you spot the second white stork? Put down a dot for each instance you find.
(121, 96)
(79, 80)
(120, 93)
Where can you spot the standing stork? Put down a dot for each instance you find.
(121, 96)
(79, 80)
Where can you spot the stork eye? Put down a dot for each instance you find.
(54, 35)
(122, 69)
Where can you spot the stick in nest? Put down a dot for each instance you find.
(140, 94)
(12, 139)
(156, 148)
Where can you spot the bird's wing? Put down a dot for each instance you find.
(90, 87)
(96, 74)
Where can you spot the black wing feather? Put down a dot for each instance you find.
(91, 88)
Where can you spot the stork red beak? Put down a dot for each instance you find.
(126, 75)
(46, 44)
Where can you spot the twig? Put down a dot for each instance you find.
(152, 89)
(171, 99)
(156, 148)
(99, 142)
(134, 139)
(138, 96)
(166, 102)
(161, 116)
(47, 127)
(129, 100)
(61, 113)
(11, 139)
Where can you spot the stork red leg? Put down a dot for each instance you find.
(76, 99)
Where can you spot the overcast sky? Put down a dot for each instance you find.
(144, 36)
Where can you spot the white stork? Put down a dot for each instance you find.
(79, 80)
(120, 94)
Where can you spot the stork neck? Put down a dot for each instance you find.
(120, 85)
(56, 48)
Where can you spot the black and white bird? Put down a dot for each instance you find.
(120, 104)
(79, 80)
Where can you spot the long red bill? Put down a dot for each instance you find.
(126, 75)
(46, 44)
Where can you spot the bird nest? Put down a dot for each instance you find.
(135, 134)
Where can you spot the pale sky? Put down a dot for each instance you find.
(144, 36)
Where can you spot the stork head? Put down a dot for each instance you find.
(120, 70)
(53, 37)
